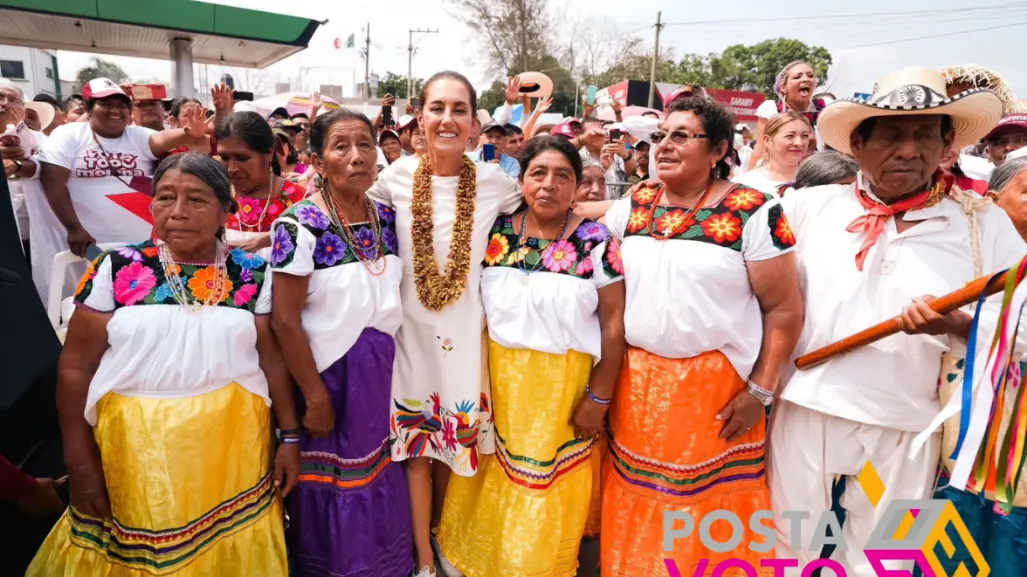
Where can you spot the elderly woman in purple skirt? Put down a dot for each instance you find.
(336, 308)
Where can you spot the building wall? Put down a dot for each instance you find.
(39, 73)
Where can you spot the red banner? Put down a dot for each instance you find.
(742, 104)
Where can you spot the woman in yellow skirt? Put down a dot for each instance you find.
(713, 312)
(164, 389)
(554, 305)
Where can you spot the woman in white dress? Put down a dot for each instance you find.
(785, 143)
(445, 208)
(794, 88)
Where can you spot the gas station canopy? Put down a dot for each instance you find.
(222, 35)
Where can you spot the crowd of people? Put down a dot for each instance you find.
(319, 344)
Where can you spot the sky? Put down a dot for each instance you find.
(866, 39)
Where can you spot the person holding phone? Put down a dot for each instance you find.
(617, 159)
(493, 149)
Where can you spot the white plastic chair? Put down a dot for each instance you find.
(54, 299)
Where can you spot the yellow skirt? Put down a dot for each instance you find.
(190, 492)
(525, 511)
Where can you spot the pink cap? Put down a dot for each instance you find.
(563, 129)
(1008, 123)
(686, 90)
(405, 121)
(102, 88)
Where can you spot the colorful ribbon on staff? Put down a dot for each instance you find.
(998, 464)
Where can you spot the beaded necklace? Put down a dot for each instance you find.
(179, 291)
(372, 259)
(689, 216)
(522, 238)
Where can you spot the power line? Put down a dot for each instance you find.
(929, 36)
(843, 16)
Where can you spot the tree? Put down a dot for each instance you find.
(399, 82)
(760, 64)
(513, 34)
(493, 98)
(634, 61)
(99, 68)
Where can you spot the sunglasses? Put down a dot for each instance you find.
(677, 137)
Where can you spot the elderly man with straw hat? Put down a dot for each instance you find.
(876, 249)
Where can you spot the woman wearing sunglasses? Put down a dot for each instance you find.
(730, 246)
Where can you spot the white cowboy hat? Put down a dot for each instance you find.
(535, 84)
(911, 92)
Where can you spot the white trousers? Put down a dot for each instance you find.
(809, 450)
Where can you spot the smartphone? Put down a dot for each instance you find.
(615, 135)
(240, 96)
(391, 91)
(591, 95)
(488, 152)
(149, 92)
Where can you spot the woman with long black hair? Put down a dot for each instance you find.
(246, 146)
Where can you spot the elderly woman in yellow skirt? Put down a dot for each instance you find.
(554, 303)
(164, 389)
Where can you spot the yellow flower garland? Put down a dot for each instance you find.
(436, 290)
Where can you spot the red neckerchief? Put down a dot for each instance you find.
(872, 223)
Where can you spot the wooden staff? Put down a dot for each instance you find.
(941, 305)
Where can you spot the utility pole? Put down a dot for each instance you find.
(656, 57)
(367, 63)
(410, 60)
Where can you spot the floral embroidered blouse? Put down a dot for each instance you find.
(251, 216)
(544, 295)
(157, 347)
(698, 275)
(343, 296)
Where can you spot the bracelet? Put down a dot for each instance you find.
(755, 387)
(290, 440)
(290, 432)
(595, 399)
(765, 396)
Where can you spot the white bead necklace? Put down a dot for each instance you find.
(179, 291)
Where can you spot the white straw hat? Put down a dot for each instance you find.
(535, 84)
(913, 92)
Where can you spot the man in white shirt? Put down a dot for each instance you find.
(19, 149)
(878, 249)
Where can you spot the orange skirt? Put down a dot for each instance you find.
(665, 455)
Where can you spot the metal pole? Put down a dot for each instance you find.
(656, 57)
(410, 60)
(577, 97)
(367, 63)
(182, 55)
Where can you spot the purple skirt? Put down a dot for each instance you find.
(350, 513)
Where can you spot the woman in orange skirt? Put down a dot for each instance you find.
(713, 312)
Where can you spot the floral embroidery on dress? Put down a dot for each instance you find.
(251, 215)
(282, 246)
(138, 278)
(613, 265)
(447, 345)
(571, 256)
(420, 425)
(780, 231)
(721, 225)
(330, 245)
(133, 282)
(85, 284)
